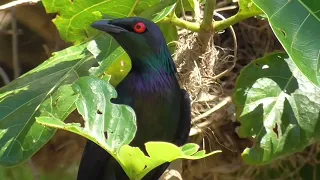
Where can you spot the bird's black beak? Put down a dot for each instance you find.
(108, 27)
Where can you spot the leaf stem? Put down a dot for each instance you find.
(133, 8)
(195, 27)
(208, 15)
(223, 24)
(218, 25)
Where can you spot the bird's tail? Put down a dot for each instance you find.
(93, 163)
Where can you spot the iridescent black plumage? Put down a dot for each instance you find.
(151, 89)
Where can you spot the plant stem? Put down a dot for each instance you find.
(195, 27)
(208, 15)
(218, 25)
(221, 25)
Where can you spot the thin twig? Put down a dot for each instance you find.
(17, 3)
(224, 102)
(208, 15)
(226, 8)
(182, 11)
(15, 60)
(4, 76)
(33, 169)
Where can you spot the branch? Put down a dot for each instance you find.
(221, 25)
(15, 58)
(218, 25)
(195, 27)
(208, 15)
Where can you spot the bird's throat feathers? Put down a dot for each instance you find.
(153, 60)
(154, 72)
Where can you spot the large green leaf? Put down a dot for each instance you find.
(74, 17)
(138, 164)
(248, 7)
(296, 24)
(170, 33)
(277, 106)
(159, 11)
(100, 115)
(44, 91)
(188, 6)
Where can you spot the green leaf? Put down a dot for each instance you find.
(74, 17)
(119, 69)
(190, 149)
(158, 153)
(188, 6)
(296, 24)
(158, 11)
(248, 7)
(111, 58)
(43, 91)
(170, 33)
(100, 115)
(278, 106)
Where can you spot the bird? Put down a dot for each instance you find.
(151, 88)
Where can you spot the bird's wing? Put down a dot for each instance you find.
(95, 159)
(182, 133)
(93, 162)
(185, 119)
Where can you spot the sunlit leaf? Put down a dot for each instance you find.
(296, 24)
(44, 91)
(100, 115)
(75, 17)
(158, 153)
(277, 106)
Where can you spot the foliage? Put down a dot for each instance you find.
(50, 92)
(297, 32)
(279, 108)
(44, 91)
(277, 96)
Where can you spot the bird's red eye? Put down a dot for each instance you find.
(140, 27)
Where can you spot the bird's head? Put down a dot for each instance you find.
(139, 37)
(142, 40)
